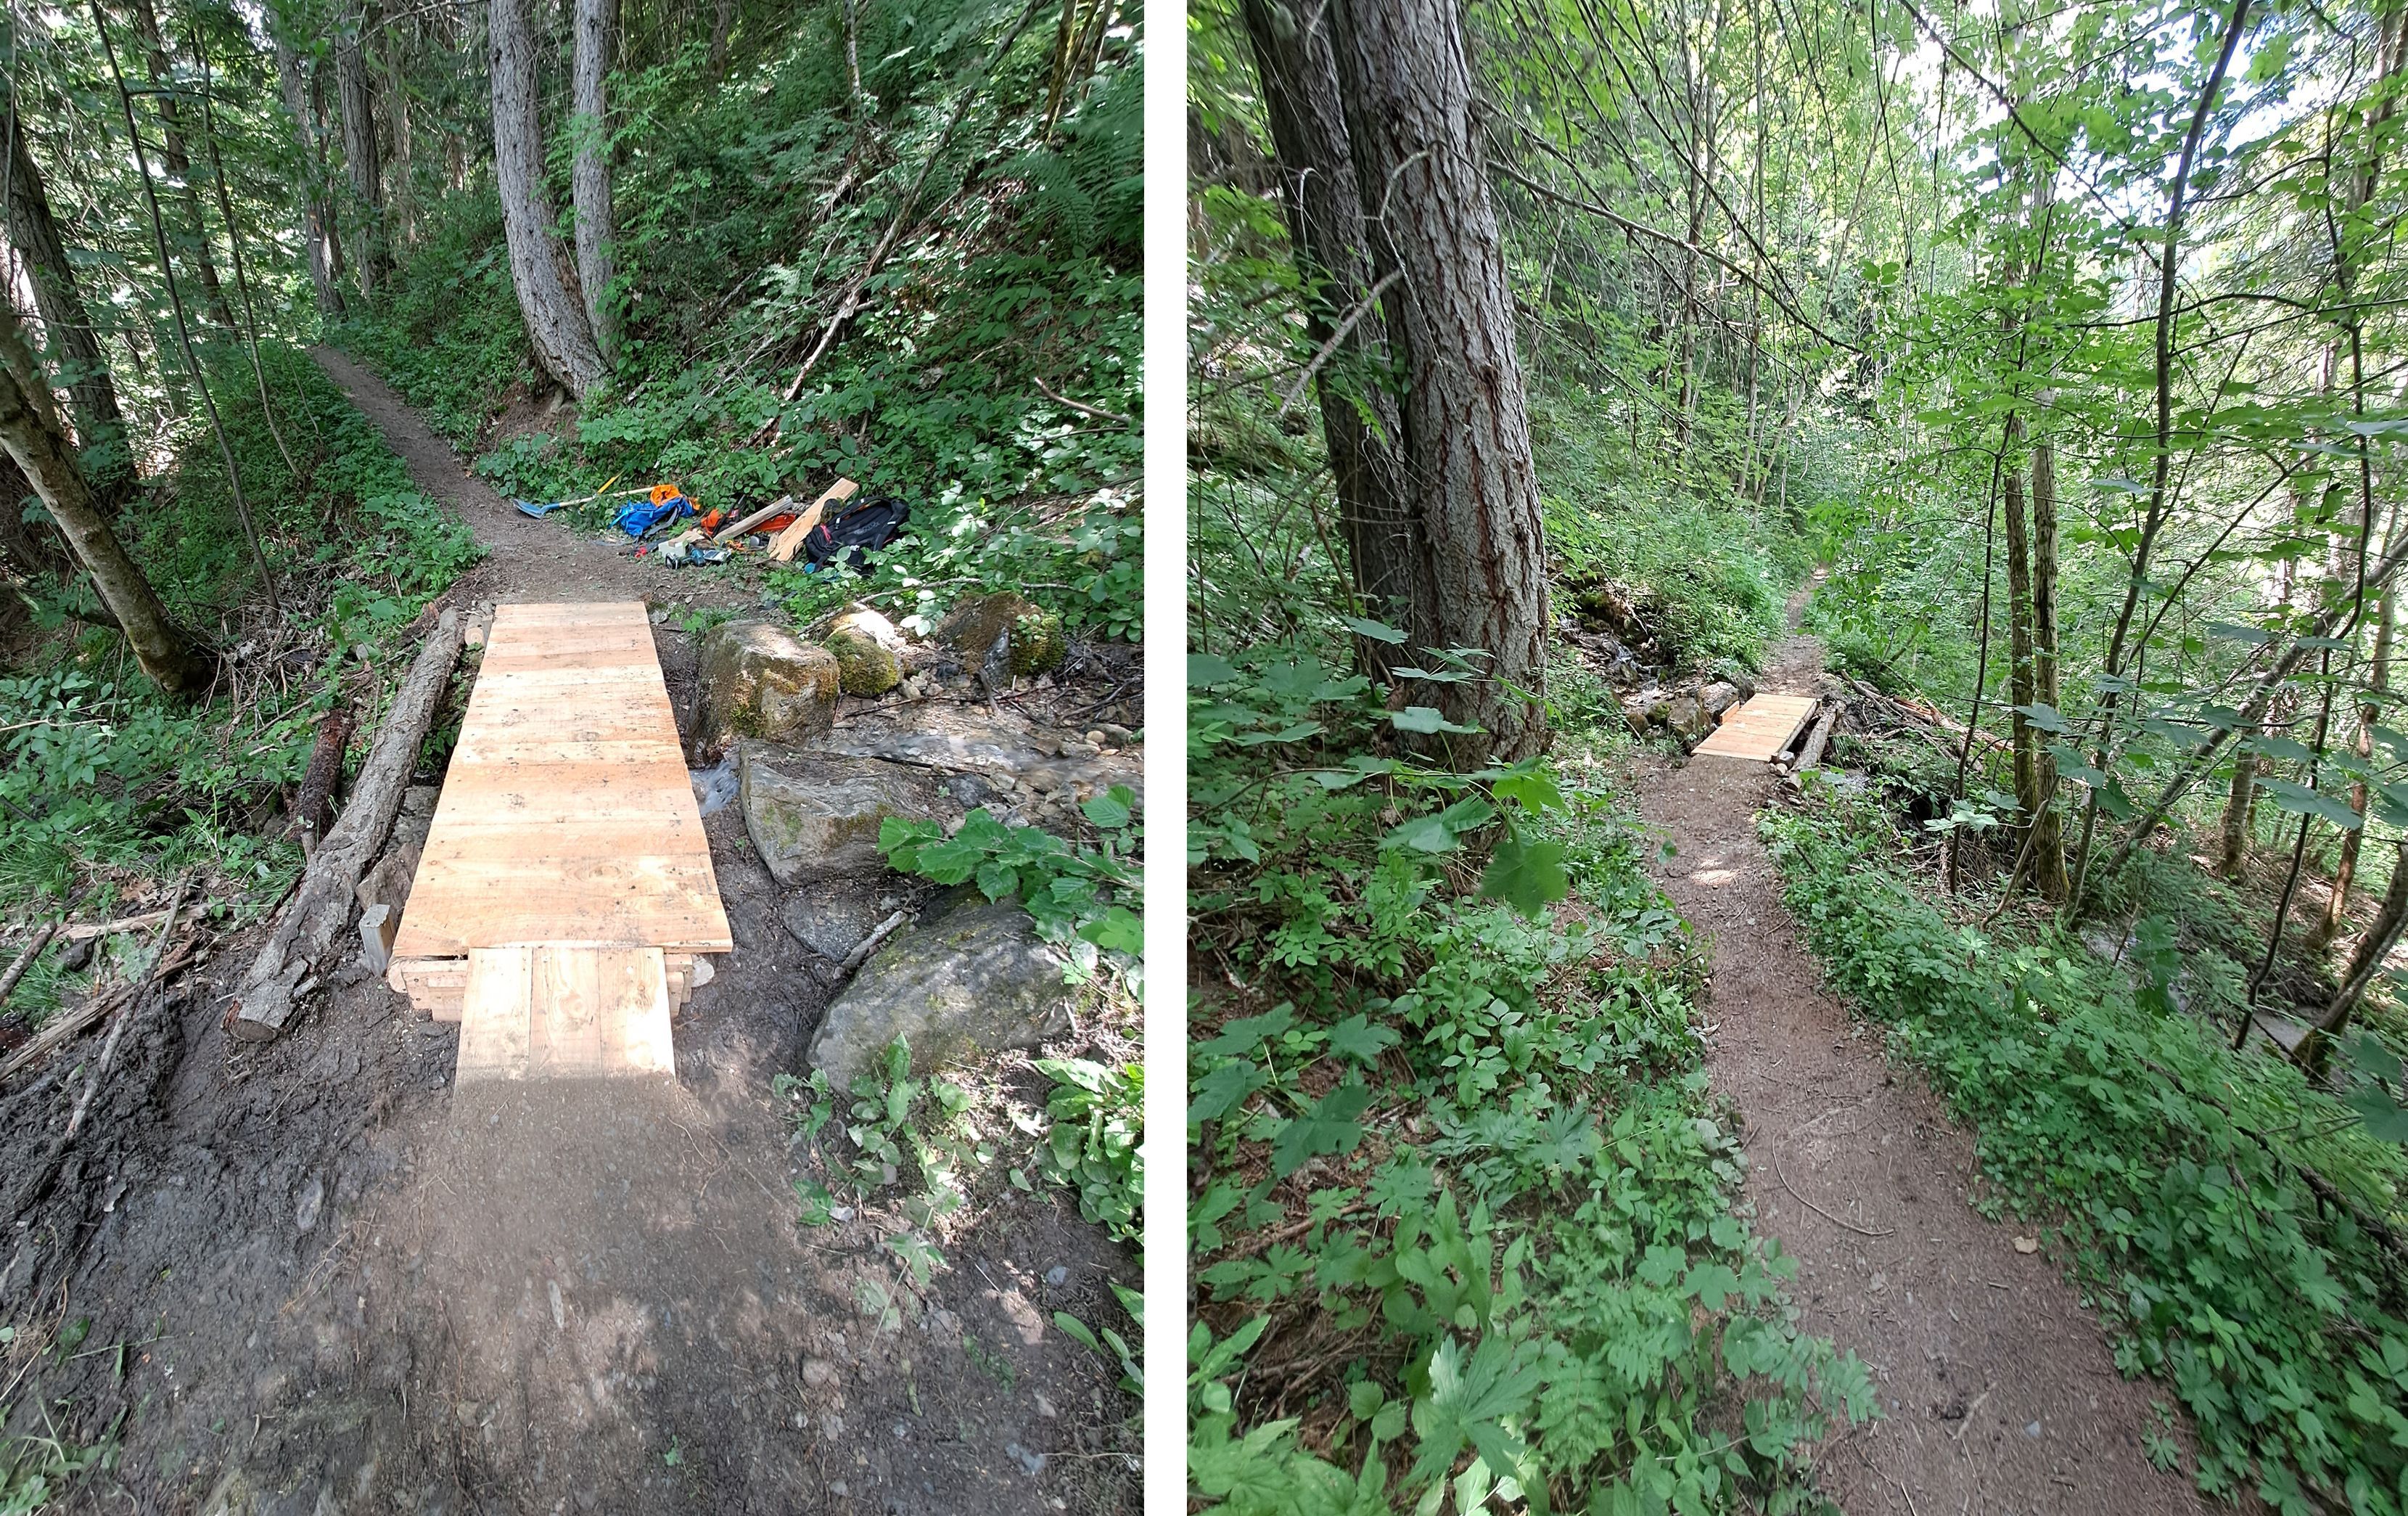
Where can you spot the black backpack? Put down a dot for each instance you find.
(854, 533)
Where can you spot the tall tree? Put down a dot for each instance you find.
(177, 157)
(596, 43)
(82, 369)
(317, 221)
(1406, 84)
(31, 432)
(356, 99)
(1389, 561)
(555, 320)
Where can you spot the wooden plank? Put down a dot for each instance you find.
(1758, 730)
(566, 1013)
(566, 816)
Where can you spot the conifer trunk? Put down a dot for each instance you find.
(2048, 840)
(1406, 84)
(31, 434)
(316, 233)
(596, 42)
(555, 321)
(1387, 559)
(356, 100)
(84, 370)
(179, 160)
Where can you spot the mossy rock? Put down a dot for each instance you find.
(1037, 644)
(865, 669)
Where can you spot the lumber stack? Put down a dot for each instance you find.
(565, 854)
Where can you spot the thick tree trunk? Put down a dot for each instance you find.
(596, 42)
(356, 99)
(179, 160)
(82, 369)
(2048, 843)
(1392, 574)
(2372, 949)
(315, 236)
(555, 321)
(30, 432)
(1407, 89)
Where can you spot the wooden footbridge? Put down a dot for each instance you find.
(566, 890)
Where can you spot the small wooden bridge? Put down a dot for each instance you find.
(1760, 729)
(565, 888)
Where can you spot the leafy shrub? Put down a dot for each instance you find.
(1458, 1143)
(2173, 1168)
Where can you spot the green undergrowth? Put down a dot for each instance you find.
(1464, 1223)
(2170, 1172)
(110, 787)
(749, 207)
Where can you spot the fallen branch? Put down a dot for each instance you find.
(1811, 753)
(25, 961)
(870, 944)
(322, 904)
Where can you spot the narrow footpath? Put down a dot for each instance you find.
(1998, 1392)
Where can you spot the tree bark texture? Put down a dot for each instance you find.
(596, 45)
(1391, 569)
(315, 223)
(555, 321)
(82, 369)
(404, 196)
(177, 157)
(30, 432)
(2048, 842)
(1407, 88)
(2022, 685)
(356, 99)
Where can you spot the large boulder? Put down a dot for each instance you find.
(1032, 638)
(973, 981)
(760, 680)
(815, 817)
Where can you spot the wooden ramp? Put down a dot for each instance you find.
(1758, 730)
(568, 834)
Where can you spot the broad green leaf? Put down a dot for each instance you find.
(1330, 1127)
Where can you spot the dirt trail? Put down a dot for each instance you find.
(1997, 1389)
(347, 1286)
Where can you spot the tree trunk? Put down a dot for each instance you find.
(178, 158)
(30, 431)
(596, 42)
(404, 194)
(555, 322)
(2022, 685)
(1407, 89)
(2336, 912)
(1392, 571)
(2048, 842)
(357, 102)
(82, 369)
(2380, 938)
(722, 22)
(314, 226)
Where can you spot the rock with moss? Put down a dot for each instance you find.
(865, 669)
(974, 625)
(761, 680)
(1037, 645)
(969, 981)
(814, 818)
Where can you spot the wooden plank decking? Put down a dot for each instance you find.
(567, 820)
(1758, 730)
(565, 1013)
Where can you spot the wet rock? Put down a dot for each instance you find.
(1018, 636)
(971, 981)
(831, 919)
(1687, 717)
(760, 680)
(813, 816)
(864, 669)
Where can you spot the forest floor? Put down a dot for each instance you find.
(311, 1275)
(1999, 1392)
